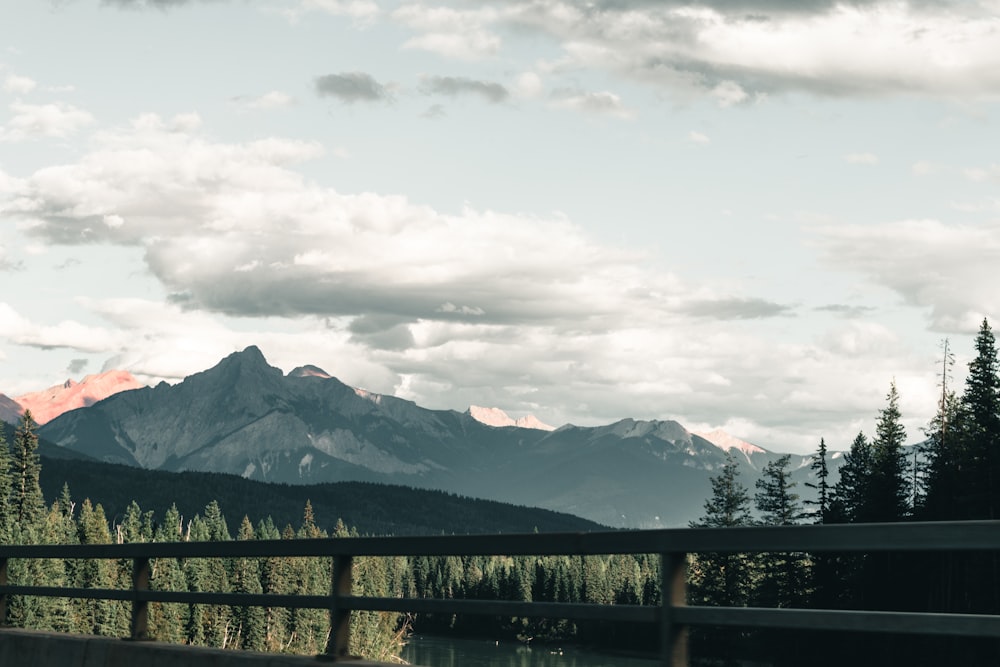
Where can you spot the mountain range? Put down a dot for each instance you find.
(248, 418)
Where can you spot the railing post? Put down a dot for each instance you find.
(339, 645)
(673, 593)
(140, 608)
(3, 596)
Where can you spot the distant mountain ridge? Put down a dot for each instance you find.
(497, 417)
(47, 404)
(247, 418)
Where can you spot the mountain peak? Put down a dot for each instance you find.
(309, 371)
(726, 442)
(497, 417)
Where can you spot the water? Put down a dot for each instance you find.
(446, 652)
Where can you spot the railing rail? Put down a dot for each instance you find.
(673, 616)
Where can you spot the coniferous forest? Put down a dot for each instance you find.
(953, 475)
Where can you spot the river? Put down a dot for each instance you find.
(447, 652)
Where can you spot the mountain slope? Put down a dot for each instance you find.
(245, 417)
(49, 403)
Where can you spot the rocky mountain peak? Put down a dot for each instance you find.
(309, 371)
(49, 403)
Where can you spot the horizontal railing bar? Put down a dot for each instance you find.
(972, 625)
(916, 536)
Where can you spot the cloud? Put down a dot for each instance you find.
(358, 9)
(351, 87)
(433, 111)
(734, 308)
(698, 138)
(453, 33)
(8, 264)
(77, 366)
(845, 310)
(274, 99)
(601, 103)
(861, 158)
(18, 84)
(68, 334)
(929, 264)
(458, 85)
(32, 121)
(735, 52)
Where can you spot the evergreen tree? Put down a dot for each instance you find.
(981, 427)
(7, 516)
(783, 575)
(723, 579)
(822, 472)
(28, 503)
(851, 493)
(889, 493)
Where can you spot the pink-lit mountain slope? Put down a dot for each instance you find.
(497, 417)
(49, 403)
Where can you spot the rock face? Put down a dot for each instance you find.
(49, 403)
(499, 418)
(247, 418)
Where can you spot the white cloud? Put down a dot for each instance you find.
(452, 33)
(31, 121)
(698, 138)
(733, 54)
(361, 10)
(528, 85)
(861, 158)
(274, 99)
(599, 103)
(70, 334)
(19, 85)
(930, 264)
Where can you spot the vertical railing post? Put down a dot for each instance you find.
(339, 644)
(3, 596)
(673, 593)
(140, 608)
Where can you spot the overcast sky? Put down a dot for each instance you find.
(747, 214)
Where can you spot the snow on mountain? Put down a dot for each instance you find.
(726, 442)
(497, 417)
(49, 403)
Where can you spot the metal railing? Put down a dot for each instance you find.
(673, 615)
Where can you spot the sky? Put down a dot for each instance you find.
(743, 214)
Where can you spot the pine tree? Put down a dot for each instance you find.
(822, 472)
(889, 494)
(783, 575)
(850, 494)
(29, 505)
(981, 422)
(723, 579)
(7, 516)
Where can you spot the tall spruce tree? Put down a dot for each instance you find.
(822, 471)
(850, 493)
(889, 494)
(28, 502)
(6, 486)
(981, 427)
(783, 576)
(724, 579)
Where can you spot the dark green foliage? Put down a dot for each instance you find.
(783, 575)
(822, 487)
(723, 578)
(374, 509)
(889, 490)
(27, 500)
